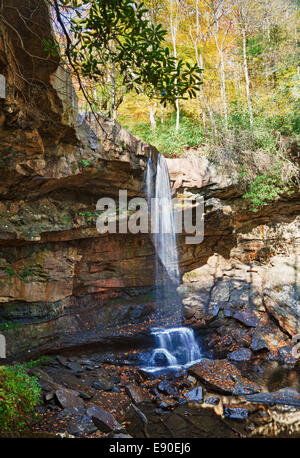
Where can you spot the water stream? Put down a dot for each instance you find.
(175, 344)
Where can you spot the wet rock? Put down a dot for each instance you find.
(177, 374)
(49, 396)
(47, 383)
(285, 355)
(244, 386)
(186, 384)
(211, 400)
(247, 318)
(167, 403)
(53, 407)
(62, 360)
(192, 379)
(90, 368)
(139, 413)
(195, 395)
(70, 381)
(290, 360)
(165, 387)
(244, 354)
(104, 420)
(259, 342)
(115, 380)
(75, 367)
(84, 395)
(72, 365)
(147, 375)
(68, 398)
(286, 396)
(102, 384)
(81, 425)
(72, 412)
(222, 376)
(229, 338)
(137, 394)
(87, 362)
(236, 413)
(181, 401)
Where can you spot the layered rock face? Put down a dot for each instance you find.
(250, 296)
(57, 272)
(61, 282)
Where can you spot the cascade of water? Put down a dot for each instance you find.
(175, 346)
(167, 277)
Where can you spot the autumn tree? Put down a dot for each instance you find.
(119, 32)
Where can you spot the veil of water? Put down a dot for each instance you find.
(175, 344)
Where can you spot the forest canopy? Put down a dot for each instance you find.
(218, 76)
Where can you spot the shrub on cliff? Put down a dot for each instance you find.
(19, 395)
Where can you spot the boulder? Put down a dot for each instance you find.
(102, 384)
(212, 400)
(81, 426)
(223, 377)
(236, 413)
(247, 318)
(195, 395)
(137, 394)
(286, 396)
(165, 387)
(68, 398)
(104, 420)
(284, 305)
(244, 354)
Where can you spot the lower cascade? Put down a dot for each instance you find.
(176, 346)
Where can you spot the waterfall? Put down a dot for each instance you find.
(167, 277)
(175, 344)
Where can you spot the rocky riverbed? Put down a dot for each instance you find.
(109, 395)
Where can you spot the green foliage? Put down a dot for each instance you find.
(8, 325)
(25, 273)
(254, 46)
(51, 48)
(10, 271)
(119, 33)
(288, 125)
(37, 362)
(165, 137)
(84, 163)
(19, 395)
(264, 189)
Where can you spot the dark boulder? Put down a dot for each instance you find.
(137, 394)
(195, 395)
(223, 377)
(104, 420)
(244, 354)
(68, 398)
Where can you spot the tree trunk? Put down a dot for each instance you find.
(113, 92)
(174, 33)
(152, 113)
(206, 104)
(247, 77)
(223, 89)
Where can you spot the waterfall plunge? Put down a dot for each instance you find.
(175, 346)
